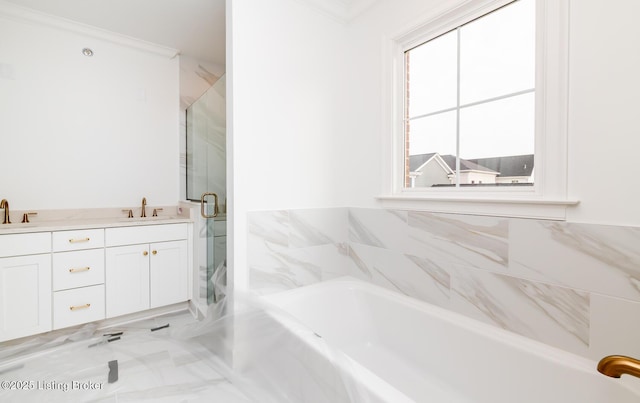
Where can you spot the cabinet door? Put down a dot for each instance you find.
(127, 279)
(168, 273)
(25, 296)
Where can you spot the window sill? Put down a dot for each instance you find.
(544, 209)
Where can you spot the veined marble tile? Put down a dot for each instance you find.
(554, 315)
(377, 227)
(409, 275)
(270, 268)
(615, 327)
(599, 258)
(449, 240)
(341, 264)
(313, 227)
(269, 226)
(275, 268)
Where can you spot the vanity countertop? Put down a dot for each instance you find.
(63, 221)
(48, 226)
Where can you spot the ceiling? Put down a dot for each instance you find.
(195, 27)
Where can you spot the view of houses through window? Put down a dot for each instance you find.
(470, 103)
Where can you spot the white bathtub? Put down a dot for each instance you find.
(403, 350)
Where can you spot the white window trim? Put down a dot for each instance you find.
(548, 197)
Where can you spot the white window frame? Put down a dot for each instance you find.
(547, 199)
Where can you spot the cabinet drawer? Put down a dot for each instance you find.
(78, 269)
(78, 239)
(80, 305)
(25, 244)
(145, 234)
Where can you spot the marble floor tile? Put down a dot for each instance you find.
(152, 366)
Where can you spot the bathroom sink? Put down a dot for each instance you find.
(147, 219)
(17, 225)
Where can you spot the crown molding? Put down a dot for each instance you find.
(20, 14)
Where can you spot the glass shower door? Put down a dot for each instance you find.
(206, 182)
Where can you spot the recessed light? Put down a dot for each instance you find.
(87, 52)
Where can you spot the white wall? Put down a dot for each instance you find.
(287, 103)
(604, 129)
(84, 132)
(367, 36)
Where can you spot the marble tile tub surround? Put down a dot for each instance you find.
(292, 248)
(551, 281)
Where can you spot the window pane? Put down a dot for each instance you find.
(432, 134)
(499, 136)
(432, 150)
(497, 53)
(431, 70)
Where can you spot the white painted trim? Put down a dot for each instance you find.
(445, 19)
(552, 47)
(25, 15)
(500, 207)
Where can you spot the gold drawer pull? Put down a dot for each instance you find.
(75, 308)
(145, 253)
(79, 240)
(79, 270)
(155, 252)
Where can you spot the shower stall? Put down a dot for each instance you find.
(206, 183)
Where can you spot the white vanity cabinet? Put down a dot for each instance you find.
(127, 270)
(78, 277)
(168, 273)
(25, 284)
(146, 267)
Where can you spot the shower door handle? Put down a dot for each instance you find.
(203, 202)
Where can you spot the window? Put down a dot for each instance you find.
(470, 99)
(477, 110)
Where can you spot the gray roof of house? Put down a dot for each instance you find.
(416, 161)
(465, 165)
(513, 165)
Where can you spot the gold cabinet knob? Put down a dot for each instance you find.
(145, 253)
(155, 252)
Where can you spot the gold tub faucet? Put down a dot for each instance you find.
(4, 204)
(617, 365)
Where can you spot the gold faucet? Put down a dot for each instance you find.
(4, 204)
(617, 365)
(144, 203)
